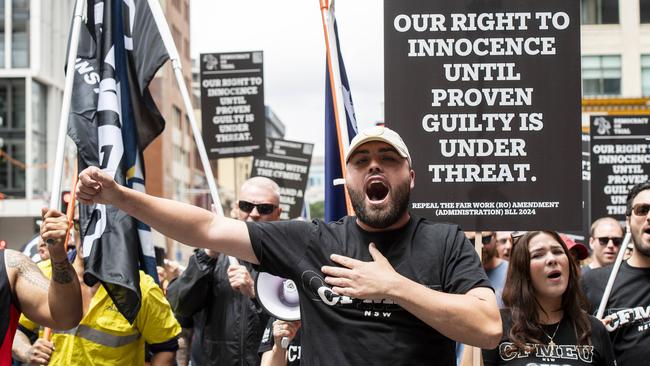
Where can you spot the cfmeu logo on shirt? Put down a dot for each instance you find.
(315, 286)
(624, 317)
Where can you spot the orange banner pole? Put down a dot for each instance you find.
(324, 6)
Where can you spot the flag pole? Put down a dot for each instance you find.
(168, 41)
(335, 87)
(612, 276)
(79, 9)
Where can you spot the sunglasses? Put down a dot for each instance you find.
(262, 208)
(641, 209)
(516, 235)
(487, 239)
(605, 239)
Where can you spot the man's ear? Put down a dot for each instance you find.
(412, 174)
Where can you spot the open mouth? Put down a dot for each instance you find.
(554, 274)
(376, 190)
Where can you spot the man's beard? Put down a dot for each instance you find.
(640, 246)
(380, 218)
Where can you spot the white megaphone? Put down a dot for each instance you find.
(279, 297)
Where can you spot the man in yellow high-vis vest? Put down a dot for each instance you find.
(104, 336)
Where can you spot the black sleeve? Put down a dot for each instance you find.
(593, 286)
(462, 269)
(186, 322)
(266, 344)
(190, 292)
(491, 356)
(603, 349)
(279, 246)
(167, 346)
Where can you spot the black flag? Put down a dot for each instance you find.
(112, 119)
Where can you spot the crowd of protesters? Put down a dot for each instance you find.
(384, 287)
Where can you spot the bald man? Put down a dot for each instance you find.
(220, 297)
(605, 242)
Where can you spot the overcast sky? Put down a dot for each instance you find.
(290, 32)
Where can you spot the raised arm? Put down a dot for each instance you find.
(472, 318)
(56, 303)
(182, 222)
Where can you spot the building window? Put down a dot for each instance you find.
(645, 75)
(12, 106)
(188, 126)
(20, 33)
(178, 39)
(39, 137)
(599, 11)
(644, 11)
(12, 134)
(601, 75)
(12, 168)
(176, 117)
(2, 33)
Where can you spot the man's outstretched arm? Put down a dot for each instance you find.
(472, 318)
(182, 222)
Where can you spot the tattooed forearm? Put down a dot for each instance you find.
(26, 269)
(62, 272)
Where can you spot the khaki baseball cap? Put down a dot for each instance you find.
(379, 133)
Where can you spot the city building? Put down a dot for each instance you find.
(173, 168)
(615, 49)
(33, 40)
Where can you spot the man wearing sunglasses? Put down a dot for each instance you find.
(384, 287)
(628, 307)
(220, 296)
(605, 242)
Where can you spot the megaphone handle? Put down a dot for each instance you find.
(284, 342)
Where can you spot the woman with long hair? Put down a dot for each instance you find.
(544, 322)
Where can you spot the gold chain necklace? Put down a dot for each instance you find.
(550, 338)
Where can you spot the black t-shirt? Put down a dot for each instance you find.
(338, 330)
(629, 308)
(565, 352)
(294, 350)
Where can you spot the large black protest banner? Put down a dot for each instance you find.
(486, 94)
(286, 163)
(620, 158)
(232, 103)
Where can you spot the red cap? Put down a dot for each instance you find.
(579, 248)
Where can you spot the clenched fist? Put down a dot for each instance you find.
(95, 186)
